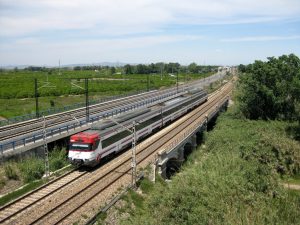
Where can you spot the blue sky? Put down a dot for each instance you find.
(223, 32)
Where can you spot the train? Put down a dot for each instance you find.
(109, 137)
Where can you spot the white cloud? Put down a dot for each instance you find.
(27, 41)
(117, 17)
(261, 38)
(104, 43)
(84, 50)
(42, 31)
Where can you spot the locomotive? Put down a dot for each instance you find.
(108, 138)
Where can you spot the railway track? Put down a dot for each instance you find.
(17, 130)
(33, 133)
(78, 112)
(61, 207)
(20, 129)
(81, 111)
(14, 208)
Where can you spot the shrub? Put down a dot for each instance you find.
(31, 169)
(10, 172)
(52, 103)
(57, 159)
(2, 182)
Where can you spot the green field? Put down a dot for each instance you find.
(55, 91)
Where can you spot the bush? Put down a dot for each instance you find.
(32, 169)
(57, 159)
(2, 182)
(10, 171)
(52, 103)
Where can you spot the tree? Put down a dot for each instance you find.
(128, 69)
(271, 89)
(113, 70)
(172, 67)
(141, 69)
(242, 68)
(50, 71)
(193, 68)
(77, 68)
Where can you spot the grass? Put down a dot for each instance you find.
(16, 107)
(57, 159)
(2, 182)
(10, 171)
(293, 180)
(132, 198)
(146, 185)
(102, 216)
(135, 198)
(31, 169)
(234, 178)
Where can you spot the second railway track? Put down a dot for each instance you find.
(12, 131)
(24, 128)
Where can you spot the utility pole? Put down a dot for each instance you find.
(86, 91)
(59, 67)
(148, 82)
(177, 81)
(87, 115)
(133, 163)
(161, 115)
(46, 153)
(36, 95)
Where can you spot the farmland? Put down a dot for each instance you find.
(58, 89)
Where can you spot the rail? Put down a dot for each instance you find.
(23, 140)
(58, 130)
(52, 111)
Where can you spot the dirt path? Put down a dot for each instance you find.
(292, 186)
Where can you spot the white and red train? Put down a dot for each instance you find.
(107, 138)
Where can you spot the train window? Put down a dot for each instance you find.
(95, 146)
(80, 146)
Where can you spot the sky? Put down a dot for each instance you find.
(219, 32)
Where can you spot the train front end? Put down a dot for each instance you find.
(82, 149)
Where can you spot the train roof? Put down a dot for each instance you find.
(86, 136)
(174, 100)
(127, 116)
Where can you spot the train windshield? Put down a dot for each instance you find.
(80, 147)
